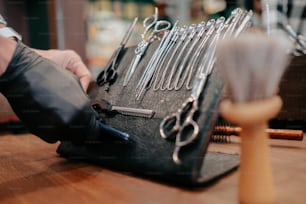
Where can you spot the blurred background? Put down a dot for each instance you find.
(93, 28)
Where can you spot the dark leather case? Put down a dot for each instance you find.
(149, 155)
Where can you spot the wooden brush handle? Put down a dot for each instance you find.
(255, 180)
(282, 134)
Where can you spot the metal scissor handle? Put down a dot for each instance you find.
(162, 25)
(179, 123)
(109, 73)
(158, 28)
(107, 76)
(149, 22)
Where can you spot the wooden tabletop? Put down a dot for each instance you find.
(32, 172)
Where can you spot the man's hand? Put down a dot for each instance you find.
(48, 99)
(69, 60)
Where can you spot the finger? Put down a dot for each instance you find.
(75, 65)
(82, 72)
(85, 81)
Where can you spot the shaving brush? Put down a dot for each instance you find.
(252, 66)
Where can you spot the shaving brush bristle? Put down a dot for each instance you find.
(252, 65)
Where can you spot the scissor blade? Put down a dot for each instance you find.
(128, 33)
(198, 85)
(131, 69)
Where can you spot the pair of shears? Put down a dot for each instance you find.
(154, 29)
(182, 124)
(109, 73)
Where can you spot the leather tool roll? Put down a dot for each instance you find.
(149, 155)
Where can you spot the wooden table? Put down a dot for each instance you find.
(32, 172)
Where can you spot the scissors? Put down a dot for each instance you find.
(154, 28)
(182, 123)
(109, 73)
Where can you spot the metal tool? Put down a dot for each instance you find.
(182, 36)
(234, 25)
(181, 124)
(151, 70)
(182, 73)
(109, 74)
(244, 24)
(210, 28)
(182, 121)
(103, 106)
(157, 79)
(230, 25)
(154, 28)
(190, 34)
(298, 39)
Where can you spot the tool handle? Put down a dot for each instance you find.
(110, 131)
(282, 134)
(102, 106)
(285, 134)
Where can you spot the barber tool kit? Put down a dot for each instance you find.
(165, 94)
